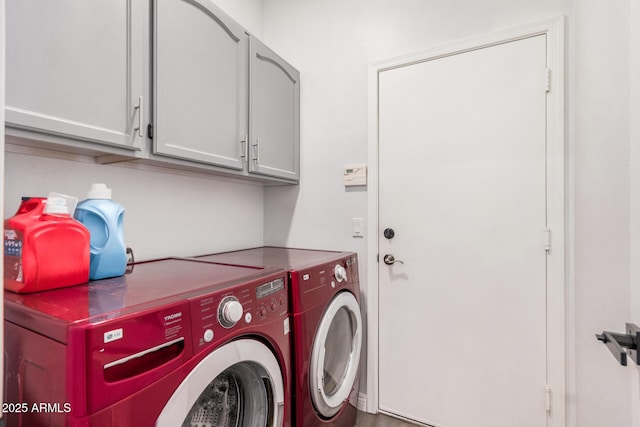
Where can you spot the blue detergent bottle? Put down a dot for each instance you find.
(104, 219)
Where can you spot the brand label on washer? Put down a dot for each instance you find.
(114, 335)
(172, 325)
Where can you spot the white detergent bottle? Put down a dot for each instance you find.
(104, 219)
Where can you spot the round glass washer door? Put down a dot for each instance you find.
(335, 357)
(240, 385)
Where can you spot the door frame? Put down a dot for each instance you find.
(557, 220)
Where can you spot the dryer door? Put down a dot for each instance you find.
(336, 354)
(239, 384)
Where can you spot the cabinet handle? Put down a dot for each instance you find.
(256, 150)
(243, 146)
(140, 108)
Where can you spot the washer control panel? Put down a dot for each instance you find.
(228, 313)
(270, 297)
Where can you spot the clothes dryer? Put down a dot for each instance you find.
(173, 343)
(327, 328)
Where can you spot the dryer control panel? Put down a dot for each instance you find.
(313, 285)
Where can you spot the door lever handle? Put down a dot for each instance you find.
(621, 345)
(390, 259)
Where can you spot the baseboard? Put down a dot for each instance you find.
(362, 402)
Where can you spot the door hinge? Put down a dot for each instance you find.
(547, 398)
(547, 239)
(150, 130)
(547, 80)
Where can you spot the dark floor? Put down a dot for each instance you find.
(379, 420)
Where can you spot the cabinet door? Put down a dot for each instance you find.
(201, 83)
(275, 115)
(74, 69)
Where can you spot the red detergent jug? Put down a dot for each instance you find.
(44, 247)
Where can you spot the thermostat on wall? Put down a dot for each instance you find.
(355, 175)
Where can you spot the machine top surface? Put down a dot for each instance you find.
(269, 256)
(150, 284)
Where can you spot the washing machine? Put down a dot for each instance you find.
(327, 328)
(173, 343)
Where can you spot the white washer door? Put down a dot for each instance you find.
(239, 384)
(336, 354)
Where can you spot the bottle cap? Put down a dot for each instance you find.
(60, 204)
(56, 206)
(99, 191)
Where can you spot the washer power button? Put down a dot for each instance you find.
(208, 335)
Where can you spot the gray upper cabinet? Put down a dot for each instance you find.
(74, 70)
(274, 115)
(171, 83)
(201, 84)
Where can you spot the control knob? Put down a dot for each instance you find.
(229, 312)
(262, 311)
(340, 272)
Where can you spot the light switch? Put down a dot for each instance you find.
(356, 225)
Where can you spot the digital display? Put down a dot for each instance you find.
(269, 288)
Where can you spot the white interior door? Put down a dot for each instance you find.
(462, 182)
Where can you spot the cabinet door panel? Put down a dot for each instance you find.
(201, 79)
(275, 114)
(74, 69)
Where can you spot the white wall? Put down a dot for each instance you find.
(333, 41)
(166, 214)
(247, 12)
(599, 136)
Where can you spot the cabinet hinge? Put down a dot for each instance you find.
(547, 239)
(150, 130)
(547, 398)
(547, 80)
